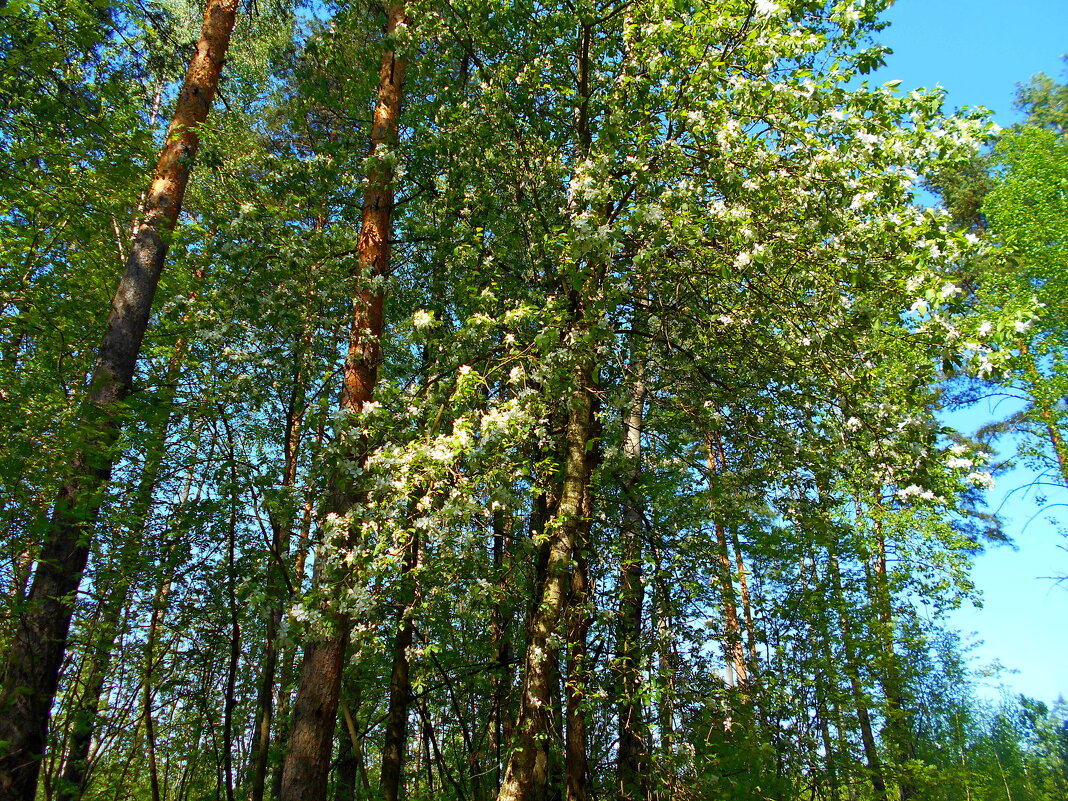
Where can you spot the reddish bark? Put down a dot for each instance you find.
(307, 761)
(34, 659)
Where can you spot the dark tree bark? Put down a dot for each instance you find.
(503, 673)
(525, 776)
(278, 584)
(125, 569)
(400, 686)
(852, 671)
(307, 761)
(898, 730)
(289, 652)
(33, 662)
(229, 696)
(632, 753)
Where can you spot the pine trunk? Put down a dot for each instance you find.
(308, 755)
(36, 653)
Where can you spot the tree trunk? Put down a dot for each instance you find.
(735, 652)
(578, 674)
(400, 687)
(76, 765)
(898, 729)
(502, 646)
(307, 761)
(632, 754)
(288, 667)
(278, 584)
(666, 662)
(158, 605)
(229, 697)
(1045, 406)
(36, 653)
(816, 635)
(867, 736)
(524, 778)
(747, 605)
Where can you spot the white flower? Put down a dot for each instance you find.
(742, 259)
(985, 329)
(422, 319)
(853, 424)
(465, 369)
(1022, 326)
(370, 407)
(981, 479)
(767, 8)
(957, 463)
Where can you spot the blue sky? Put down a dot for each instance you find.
(978, 50)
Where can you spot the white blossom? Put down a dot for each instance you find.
(981, 479)
(422, 319)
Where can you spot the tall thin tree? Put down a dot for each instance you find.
(32, 665)
(308, 753)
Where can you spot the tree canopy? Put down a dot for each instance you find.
(515, 400)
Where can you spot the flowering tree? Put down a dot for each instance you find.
(633, 480)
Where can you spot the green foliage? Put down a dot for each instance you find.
(718, 205)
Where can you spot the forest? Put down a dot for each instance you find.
(515, 400)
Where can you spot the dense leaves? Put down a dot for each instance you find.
(665, 327)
